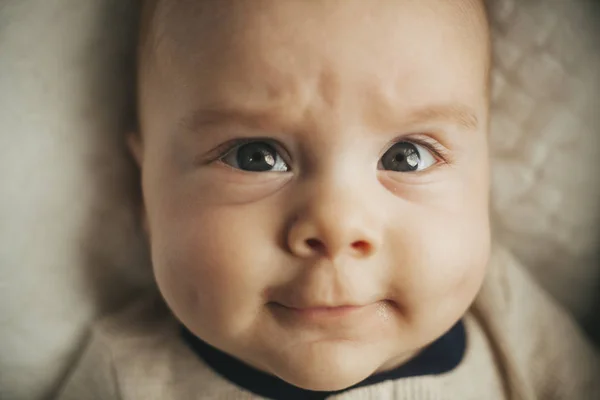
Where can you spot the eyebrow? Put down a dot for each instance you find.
(205, 117)
(458, 114)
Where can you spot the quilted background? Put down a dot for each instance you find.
(546, 141)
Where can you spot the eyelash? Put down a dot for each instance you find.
(223, 149)
(441, 153)
(436, 148)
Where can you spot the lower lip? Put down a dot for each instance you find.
(322, 314)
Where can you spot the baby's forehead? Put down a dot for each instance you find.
(213, 51)
(162, 18)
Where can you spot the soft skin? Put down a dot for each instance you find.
(331, 86)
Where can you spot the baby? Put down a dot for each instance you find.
(315, 179)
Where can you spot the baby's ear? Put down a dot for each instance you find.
(136, 147)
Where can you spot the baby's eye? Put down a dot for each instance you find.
(407, 157)
(257, 156)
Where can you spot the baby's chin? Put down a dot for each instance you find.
(326, 366)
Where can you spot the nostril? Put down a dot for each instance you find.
(315, 245)
(361, 246)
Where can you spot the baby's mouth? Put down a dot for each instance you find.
(323, 311)
(325, 315)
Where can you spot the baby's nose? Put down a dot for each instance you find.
(310, 241)
(332, 228)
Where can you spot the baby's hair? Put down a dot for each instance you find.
(146, 34)
(147, 16)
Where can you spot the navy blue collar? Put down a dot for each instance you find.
(441, 356)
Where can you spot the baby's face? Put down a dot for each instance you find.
(301, 157)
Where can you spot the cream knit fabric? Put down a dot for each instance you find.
(520, 345)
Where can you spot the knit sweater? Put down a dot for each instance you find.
(520, 345)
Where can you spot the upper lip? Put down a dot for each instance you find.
(318, 306)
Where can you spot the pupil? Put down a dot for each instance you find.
(256, 157)
(402, 157)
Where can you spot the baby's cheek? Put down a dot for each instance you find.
(210, 268)
(443, 265)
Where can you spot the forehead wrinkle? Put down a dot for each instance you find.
(272, 105)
